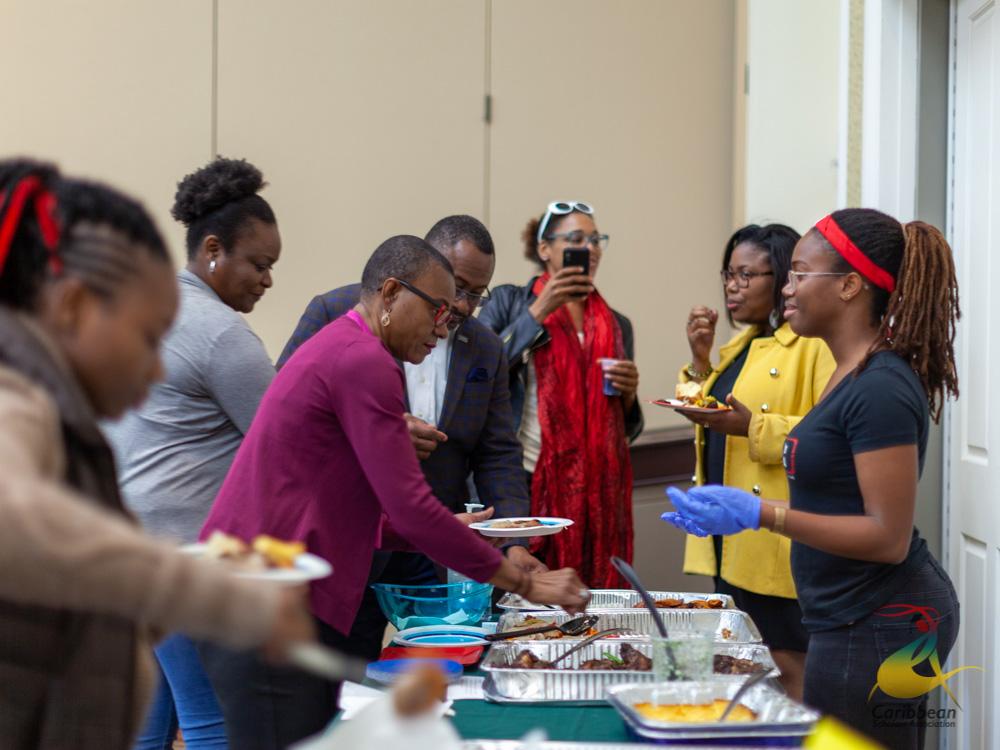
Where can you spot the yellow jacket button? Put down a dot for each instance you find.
(774, 372)
(756, 489)
(764, 407)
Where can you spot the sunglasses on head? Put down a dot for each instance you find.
(561, 208)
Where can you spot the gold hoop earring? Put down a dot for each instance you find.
(385, 319)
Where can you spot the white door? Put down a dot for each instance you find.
(973, 494)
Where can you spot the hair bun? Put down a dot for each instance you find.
(213, 186)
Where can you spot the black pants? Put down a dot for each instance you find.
(778, 619)
(842, 665)
(268, 707)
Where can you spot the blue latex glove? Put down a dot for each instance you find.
(688, 527)
(715, 509)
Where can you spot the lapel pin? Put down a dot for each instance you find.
(463, 339)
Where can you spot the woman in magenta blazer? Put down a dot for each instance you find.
(328, 461)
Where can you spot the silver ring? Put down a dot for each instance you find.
(584, 593)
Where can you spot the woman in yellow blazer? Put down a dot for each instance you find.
(771, 377)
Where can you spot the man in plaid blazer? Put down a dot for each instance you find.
(474, 433)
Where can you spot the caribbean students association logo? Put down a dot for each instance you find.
(898, 676)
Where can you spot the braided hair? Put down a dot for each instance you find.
(219, 199)
(52, 227)
(918, 319)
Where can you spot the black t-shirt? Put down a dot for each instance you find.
(881, 407)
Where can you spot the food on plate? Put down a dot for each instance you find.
(628, 659)
(264, 553)
(725, 664)
(690, 393)
(530, 621)
(278, 553)
(524, 523)
(681, 604)
(698, 713)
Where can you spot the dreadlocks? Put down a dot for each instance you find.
(917, 320)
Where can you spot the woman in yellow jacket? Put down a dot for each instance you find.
(771, 377)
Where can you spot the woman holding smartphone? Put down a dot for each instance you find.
(573, 392)
(883, 296)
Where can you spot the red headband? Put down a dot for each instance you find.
(853, 255)
(45, 205)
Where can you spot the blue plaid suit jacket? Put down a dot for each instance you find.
(476, 415)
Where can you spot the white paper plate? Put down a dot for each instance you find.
(308, 567)
(673, 403)
(549, 526)
(437, 636)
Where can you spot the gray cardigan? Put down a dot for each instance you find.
(175, 450)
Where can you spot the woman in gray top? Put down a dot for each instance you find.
(175, 451)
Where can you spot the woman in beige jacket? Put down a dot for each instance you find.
(86, 293)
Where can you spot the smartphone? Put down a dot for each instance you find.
(577, 256)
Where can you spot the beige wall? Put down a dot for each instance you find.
(640, 125)
(792, 110)
(117, 89)
(366, 117)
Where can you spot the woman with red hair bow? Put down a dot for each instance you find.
(883, 296)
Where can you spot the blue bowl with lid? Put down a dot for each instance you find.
(459, 603)
(387, 671)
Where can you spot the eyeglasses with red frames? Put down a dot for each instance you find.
(444, 315)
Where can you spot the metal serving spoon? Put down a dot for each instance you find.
(633, 578)
(576, 626)
(591, 639)
(748, 683)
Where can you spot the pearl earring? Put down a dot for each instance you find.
(211, 267)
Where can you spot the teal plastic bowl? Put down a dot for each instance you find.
(459, 603)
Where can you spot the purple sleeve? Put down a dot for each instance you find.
(389, 540)
(370, 410)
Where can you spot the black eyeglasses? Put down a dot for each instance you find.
(743, 278)
(443, 313)
(476, 300)
(578, 238)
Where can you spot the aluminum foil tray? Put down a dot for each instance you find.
(777, 714)
(506, 684)
(615, 599)
(518, 745)
(719, 623)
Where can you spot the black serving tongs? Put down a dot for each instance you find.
(576, 626)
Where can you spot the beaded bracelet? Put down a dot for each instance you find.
(694, 374)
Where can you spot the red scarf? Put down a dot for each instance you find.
(584, 471)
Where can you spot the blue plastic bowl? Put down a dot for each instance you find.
(459, 603)
(387, 671)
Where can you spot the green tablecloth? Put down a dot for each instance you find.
(481, 720)
(492, 721)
